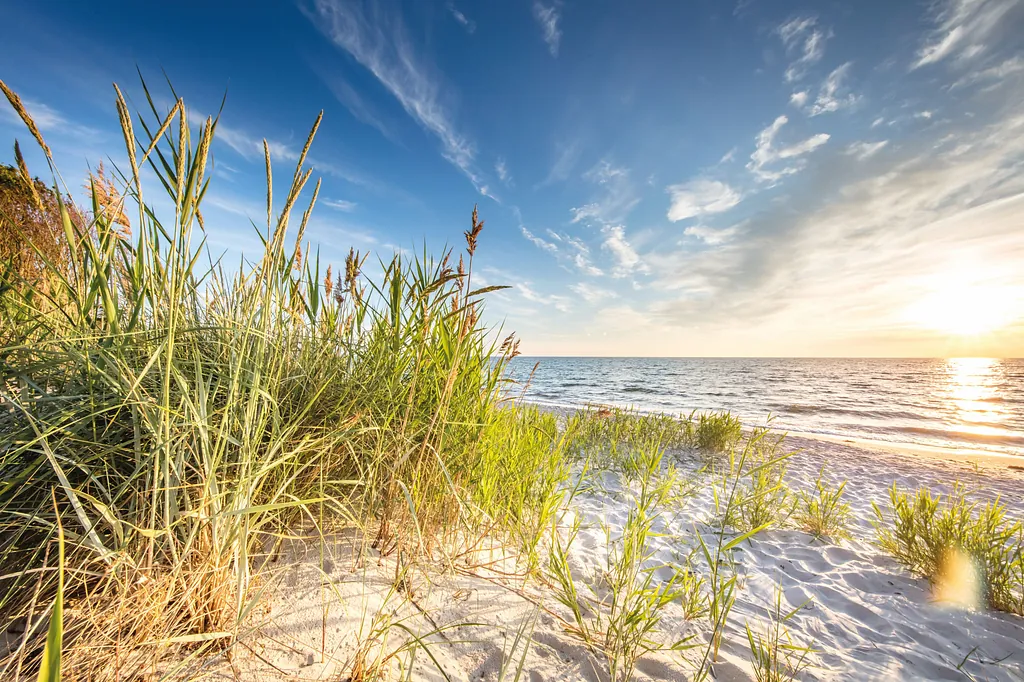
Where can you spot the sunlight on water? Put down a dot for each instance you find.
(973, 393)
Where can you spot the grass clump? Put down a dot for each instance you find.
(184, 414)
(823, 513)
(927, 535)
(717, 432)
(760, 497)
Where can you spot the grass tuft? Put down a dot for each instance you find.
(926, 534)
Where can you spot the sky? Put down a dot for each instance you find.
(702, 178)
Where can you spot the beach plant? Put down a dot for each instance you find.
(718, 553)
(185, 410)
(761, 498)
(773, 653)
(717, 432)
(619, 619)
(928, 535)
(823, 513)
(693, 591)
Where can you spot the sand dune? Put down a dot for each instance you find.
(867, 618)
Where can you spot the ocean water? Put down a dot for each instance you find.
(958, 403)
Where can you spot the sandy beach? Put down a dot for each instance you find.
(866, 617)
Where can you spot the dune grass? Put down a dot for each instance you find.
(823, 513)
(182, 413)
(926, 534)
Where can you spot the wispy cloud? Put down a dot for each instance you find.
(567, 155)
(356, 104)
(700, 197)
(47, 119)
(465, 21)
(561, 303)
(966, 29)
(591, 293)
(250, 148)
(768, 153)
(537, 241)
(501, 168)
(710, 235)
(830, 96)
(802, 37)
(992, 74)
(616, 195)
(375, 36)
(799, 99)
(865, 150)
(548, 17)
(339, 205)
(627, 260)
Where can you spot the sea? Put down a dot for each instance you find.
(957, 403)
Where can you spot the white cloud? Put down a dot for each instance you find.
(967, 28)
(615, 199)
(582, 262)
(466, 22)
(47, 119)
(700, 197)
(339, 204)
(501, 168)
(591, 293)
(992, 74)
(878, 121)
(561, 303)
(926, 115)
(767, 154)
(627, 259)
(548, 17)
(537, 241)
(829, 99)
(378, 40)
(799, 99)
(864, 150)
(251, 148)
(710, 235)
(801, 35)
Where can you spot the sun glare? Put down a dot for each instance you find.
(961, 305)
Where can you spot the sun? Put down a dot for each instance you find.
(964, 304)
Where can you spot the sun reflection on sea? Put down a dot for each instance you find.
(972, 393)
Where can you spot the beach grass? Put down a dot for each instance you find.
(184, 413)
(971, 553)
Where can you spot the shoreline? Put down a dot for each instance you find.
(934, 452)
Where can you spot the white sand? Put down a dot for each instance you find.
(869, 619)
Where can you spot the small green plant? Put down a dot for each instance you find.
(693, 592)
(762, 499)
(823, 513)
(923, 532)
(717, 432)
(774, 655)
(619, 620)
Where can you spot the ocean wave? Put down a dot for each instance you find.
(1007, 439)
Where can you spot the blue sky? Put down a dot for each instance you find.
(657, 178)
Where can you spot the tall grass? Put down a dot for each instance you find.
(184, 412)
